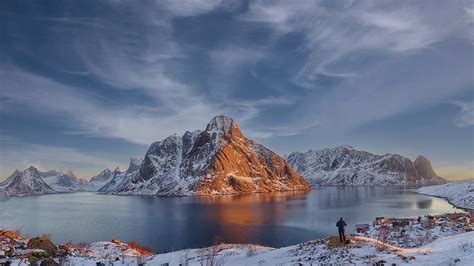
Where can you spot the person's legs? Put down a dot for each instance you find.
(344, 236)
(340, 236)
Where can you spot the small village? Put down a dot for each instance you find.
(414, 232)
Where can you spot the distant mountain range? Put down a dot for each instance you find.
(221, 160)
(34, 182)
(345, 165)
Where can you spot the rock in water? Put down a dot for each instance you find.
(218, 160)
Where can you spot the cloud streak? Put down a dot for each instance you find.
(466, 114)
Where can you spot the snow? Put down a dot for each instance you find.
(460, 194)
(220, 124)
(345, 165)
(457, 249)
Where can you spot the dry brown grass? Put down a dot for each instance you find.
(143, 250)
(333, 242)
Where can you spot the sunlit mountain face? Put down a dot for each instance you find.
(86, 86)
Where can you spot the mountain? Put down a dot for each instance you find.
(100, 180)
(60, 182)
(26, 183)
(347, 166)
(217, 160)
(119, 178)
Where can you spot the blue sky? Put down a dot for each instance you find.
(84, 85)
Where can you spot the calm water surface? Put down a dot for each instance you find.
(165, 224)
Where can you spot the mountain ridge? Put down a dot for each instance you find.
(344, 165)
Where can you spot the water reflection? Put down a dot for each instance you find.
(273, 219)
(424, 204)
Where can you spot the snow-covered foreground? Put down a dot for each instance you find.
(460, 194)
(457, 249)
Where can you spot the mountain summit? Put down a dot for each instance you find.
(218, 160)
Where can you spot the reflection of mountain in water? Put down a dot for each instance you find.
(247, 209)
(424, 204)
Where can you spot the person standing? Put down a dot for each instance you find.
(341, 224)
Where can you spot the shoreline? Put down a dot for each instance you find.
(446, 199)
(460, 194)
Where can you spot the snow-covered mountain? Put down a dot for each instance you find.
(119, 178)
(60, 182)
(100, 180)
(460, 194)
(345, 165)
(28, 182)
(218, 160)
(34, 182)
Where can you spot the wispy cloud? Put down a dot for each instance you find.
(388, 57)
(466, 114)
(133, 122)
(231, 57)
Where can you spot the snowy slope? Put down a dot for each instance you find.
(61, 182)
(345, 165)
(26, 183)
(452, 250)
(217, 160)
(460, 194)
(100, 180)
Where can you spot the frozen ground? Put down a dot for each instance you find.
(456, 249)
(460, 194)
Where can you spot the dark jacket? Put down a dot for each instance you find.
(341, 224)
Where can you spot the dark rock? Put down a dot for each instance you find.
(43, 242)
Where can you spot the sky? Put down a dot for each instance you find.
(85, 85)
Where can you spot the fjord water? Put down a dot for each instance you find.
(165, 224)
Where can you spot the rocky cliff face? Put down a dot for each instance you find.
(28, 182)
(218, 160)
(348, 166)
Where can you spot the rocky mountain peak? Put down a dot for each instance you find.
(117, 170)
(220, 123)
(218, 160)
(223, 125)
(71, 174)
(32, 168)
(424, 168)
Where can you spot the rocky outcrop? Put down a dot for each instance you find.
(218, 160)
(347, 166)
